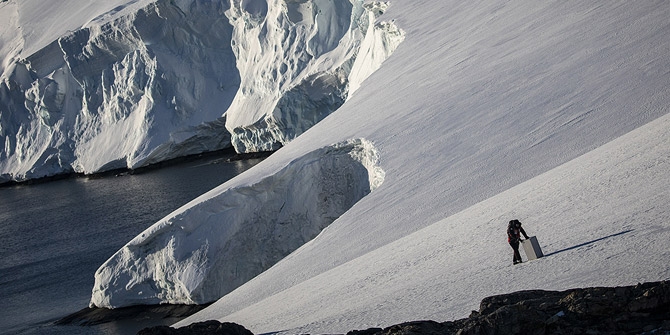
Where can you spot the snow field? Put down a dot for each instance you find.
(599, 218)
(480, 98)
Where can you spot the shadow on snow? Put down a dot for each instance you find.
(589, 242)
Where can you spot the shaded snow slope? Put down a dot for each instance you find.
(42, 22)
(130, 83)
(201, 252)
(480, 99)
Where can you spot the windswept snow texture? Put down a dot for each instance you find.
(198, 254)
(144, 81)
(551, 112)
(602, 220)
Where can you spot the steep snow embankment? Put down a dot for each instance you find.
(144, 82)
(200, 253)
(601, 218)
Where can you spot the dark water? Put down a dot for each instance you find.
(53, 236)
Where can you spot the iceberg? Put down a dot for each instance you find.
(143, 82)
(198, 254)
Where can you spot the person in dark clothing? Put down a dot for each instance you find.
(514, 232)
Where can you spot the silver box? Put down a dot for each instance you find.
(532, 248)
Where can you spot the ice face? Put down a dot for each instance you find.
(200, 253)
(144, 82)
(299, 63)
(131, 88)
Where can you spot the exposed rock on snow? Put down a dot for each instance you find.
(640, 309)
(206, 327)
(198, 254)
(145, 82)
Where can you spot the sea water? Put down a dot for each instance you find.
(54, 235)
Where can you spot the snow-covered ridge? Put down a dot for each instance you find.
(198, 254)
(145, 82)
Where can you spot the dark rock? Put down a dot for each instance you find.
(206, 327)
(639, 309)
(94, 316)
(411, 328)
(369, 331)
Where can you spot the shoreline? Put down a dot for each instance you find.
(228, 155)
(96, 316)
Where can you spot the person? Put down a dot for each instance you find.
(514, 232)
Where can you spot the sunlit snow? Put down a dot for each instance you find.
(551, 112)
(142, 82)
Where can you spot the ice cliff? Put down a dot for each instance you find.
(153, 80)
(198, 254)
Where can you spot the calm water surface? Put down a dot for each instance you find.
(53, 236)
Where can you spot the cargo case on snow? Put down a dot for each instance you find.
(532, 248)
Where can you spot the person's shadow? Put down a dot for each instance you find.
(589, 242)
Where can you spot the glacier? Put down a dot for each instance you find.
(142, 82)
(555, 113)
(201, 252)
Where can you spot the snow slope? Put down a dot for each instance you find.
(601, 218)
(124, 84)
(554, 113)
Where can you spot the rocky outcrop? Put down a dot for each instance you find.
(639, 309)
(207, 327)
(95, 316)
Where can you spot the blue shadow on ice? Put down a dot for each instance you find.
(589, 242)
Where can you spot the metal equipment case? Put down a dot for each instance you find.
(532, 248)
